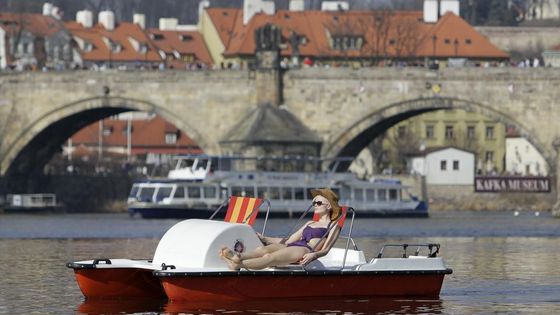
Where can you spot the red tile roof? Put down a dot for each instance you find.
(225, 20)
(122, 35)
(186, 43)
(148, 136)
(37, 24)
(385, 33)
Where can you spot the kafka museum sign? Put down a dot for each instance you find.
(497, 184)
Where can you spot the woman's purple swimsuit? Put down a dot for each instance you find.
(308, 234)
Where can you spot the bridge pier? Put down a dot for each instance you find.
(556, 207)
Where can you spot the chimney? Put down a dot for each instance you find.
(139, 19)
(107, 19)
(47, 8)
(168, 24)
(297, 5)
(85, 17)
(431, 11)
(334, 6)
(449, 6)
(252, 7)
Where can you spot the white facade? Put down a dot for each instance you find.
(431, 11)
(3, 52)
(252, 7)
(334, 6)
(522, 158)
(448, 166)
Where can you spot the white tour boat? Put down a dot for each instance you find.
(200, 183)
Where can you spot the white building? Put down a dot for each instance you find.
(522, 158)
(444, 166)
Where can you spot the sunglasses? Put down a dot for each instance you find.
(319, 203)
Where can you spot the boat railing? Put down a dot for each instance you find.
(432, 247)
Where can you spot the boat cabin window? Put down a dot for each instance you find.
(210, 192)
(346, 193)
(179, 192)
(163, 192)
(249, 191)
(193, 192)
(202, 164)
(133, 191)
(382, 194)
(359, 194)
(370, 194)
(299, 193)
(146, 194)
(274, 192)
(287, 193)
(393, 194)
(261, 192)
(185, 163)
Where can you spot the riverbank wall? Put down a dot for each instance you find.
(109, 193)
(463, 197)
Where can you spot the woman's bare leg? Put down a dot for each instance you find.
(283, 256)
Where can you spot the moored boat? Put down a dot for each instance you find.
(199, 183)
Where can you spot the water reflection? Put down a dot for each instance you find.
(301, 306)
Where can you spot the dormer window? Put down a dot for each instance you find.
(170, 138)
(107, 131)
(115, 47)
(185, 38)
(143, 48)
(468, 41)
(347, 42)
(88, 47)
(157, 36)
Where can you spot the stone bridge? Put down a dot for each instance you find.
(347, 107)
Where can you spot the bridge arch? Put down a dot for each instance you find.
(40, 139)
(352, 140)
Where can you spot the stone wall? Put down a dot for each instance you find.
(522, 38)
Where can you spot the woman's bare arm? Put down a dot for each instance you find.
(276, 240)
(328, 244)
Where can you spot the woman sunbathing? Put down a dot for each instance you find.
(298, 248)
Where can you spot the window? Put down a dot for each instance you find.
(468, 41)
(210, 192)
(157, 36)
(347, 42)
(274, 192)
(447, 41)
(393, 195)
(489, 156)
(163, 192)
(370, 194)
(443, 165)
(236, 191)
(185, 38)
(107, 131)
(179, 192)
(143, 48)
(448, 132)
(401, 132)
(489, 132)
(299, 193)
(358, 194)
(194, 192)
(382, 194)
(262, 192)
(286, 193)
(455, 165)
(392, 41)
(170, 138)
(88, 47)
(430, 131)
(249, 191)
(470, 132)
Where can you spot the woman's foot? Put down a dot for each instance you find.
(230, 255)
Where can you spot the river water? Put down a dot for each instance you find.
(502, 263)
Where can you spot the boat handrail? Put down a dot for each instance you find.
(430, 246)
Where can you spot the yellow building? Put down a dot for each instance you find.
(466, 130)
